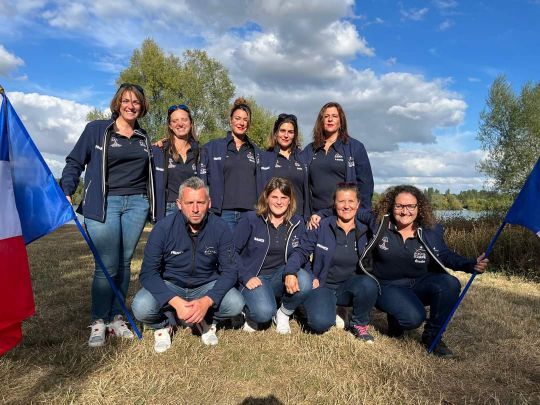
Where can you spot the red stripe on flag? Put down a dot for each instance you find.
(16, 298)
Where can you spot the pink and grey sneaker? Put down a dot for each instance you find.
(119, 328)
(361, 332)
(97, 334)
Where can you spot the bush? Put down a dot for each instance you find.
(516, 252)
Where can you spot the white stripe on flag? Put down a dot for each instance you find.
(10, 225)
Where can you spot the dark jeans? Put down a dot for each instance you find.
(405, 300)
(261, 301)
(359, 291)
(232, 217)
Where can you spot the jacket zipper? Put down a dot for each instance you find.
(103, 168)
(368, 248)
(289, 238)
(420, 231)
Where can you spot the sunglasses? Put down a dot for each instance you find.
(347, 184)
(131, 85)
(173, 108)
(282, 117)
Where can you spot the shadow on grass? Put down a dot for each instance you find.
(269, 400)
(54, 352)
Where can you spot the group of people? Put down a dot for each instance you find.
(251, 233)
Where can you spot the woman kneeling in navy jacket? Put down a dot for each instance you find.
(264, 240)
(340, 279)
(410, 259)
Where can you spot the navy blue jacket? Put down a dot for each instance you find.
(171, 255)
(212, 163)
(159, 167)
(252, 241)
(358, 166)
(433, 242)
(321, 242)
(90, 152)
(268, 165)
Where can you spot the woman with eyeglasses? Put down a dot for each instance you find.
(231, 167)
(176, 160)
(339, 276)
(335, 157)
(283, 159)
(410, 259)
(264, 240)
(118, 196)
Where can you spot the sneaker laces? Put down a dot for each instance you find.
(119, 328)
(362, 329)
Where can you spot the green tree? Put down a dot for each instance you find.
(97, 114)
(195, 79)
(510, 133)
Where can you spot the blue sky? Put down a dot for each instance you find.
(412, 75)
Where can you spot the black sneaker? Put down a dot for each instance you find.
(441, 350)
(361, 333)
(394, 329)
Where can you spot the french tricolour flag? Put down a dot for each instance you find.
(31, 205)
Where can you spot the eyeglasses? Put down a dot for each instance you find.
(408, 207)
(127, 85)
(173, 108)
(347, 184)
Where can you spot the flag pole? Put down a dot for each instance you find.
(109, 278)
(462, 295)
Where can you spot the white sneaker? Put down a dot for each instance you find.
(97, 334)
(119, 328)
(249, 326)
(282, 322)
(208, 333)
(342, 317)
(162, 340)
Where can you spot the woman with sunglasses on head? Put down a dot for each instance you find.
(119, 194)
(231, 168)
(410, 259)
(264, 240)
(283, 159)
(339, 276)
(335, 157)
(176, 160)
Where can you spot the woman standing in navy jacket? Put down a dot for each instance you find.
(335, 157)
(231, 168)
(177, 160)
(264, 240)
(119, 191)
(410, 259)
(283, 159)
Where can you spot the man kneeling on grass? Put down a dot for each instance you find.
(189, 270)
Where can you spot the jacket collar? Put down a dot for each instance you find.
(229, 138)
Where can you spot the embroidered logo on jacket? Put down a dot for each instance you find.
(351, 161)
(295, 242)
(420, 255)
(383, 243)
(114, 142)
(322, 247)
(258, 240)
(171, 164)
(338, 157)
(174, 252)
(250, 157)
(210, 250)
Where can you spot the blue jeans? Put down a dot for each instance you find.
(115, 241)
(359, 291)
(261, 301)
(148, 311)
(405, 299)
(232, 217)
(171, 208)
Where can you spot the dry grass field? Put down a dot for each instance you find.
(495, 334)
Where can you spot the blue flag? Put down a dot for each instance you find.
(526, 208)
(40, 202)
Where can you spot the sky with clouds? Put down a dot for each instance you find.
(412, 76)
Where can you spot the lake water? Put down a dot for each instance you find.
(467, 214)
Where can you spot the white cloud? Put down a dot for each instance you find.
(54, 124)
(8, 61)
(445, 4)
(70, 16)
(413, 14)
(445, 25)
